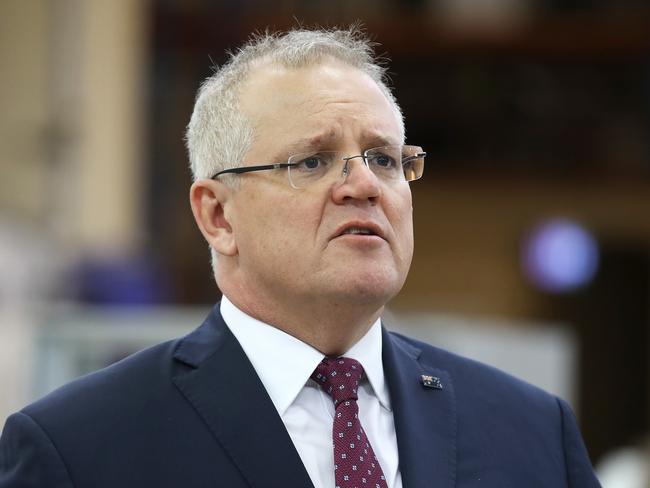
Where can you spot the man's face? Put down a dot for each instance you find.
(290, 243)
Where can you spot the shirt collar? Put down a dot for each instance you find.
(368, 352)
(293, 361)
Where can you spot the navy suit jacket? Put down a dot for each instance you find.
(193, 413)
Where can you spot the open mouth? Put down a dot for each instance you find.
(359, 230)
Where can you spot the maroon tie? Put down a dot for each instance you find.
(355, 463)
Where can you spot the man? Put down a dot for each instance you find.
(302, 192)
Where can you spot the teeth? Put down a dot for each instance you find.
(357, 230)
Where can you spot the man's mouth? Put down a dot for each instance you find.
(358, 230)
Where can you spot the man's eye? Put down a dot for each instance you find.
(312, 163)
(384, 161)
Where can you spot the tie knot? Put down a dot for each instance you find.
(339, 377)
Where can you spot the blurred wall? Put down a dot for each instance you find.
(71, 128)
(24, 114)
(72, 139)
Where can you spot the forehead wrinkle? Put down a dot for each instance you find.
(324, 141)
(377, 139)
(333, 132)
(312, 142)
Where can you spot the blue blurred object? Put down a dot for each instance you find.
(560, 256)
(125, 280)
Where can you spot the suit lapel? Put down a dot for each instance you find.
(425, 417)
(223, 387)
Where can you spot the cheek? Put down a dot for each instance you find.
(405, 237)
(400, 213)
(275, 229)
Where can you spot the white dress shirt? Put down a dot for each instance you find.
(285, 364)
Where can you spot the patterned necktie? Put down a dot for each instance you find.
(355, 463)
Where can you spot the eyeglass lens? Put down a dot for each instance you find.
(388, 163)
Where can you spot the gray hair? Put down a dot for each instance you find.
(219, 135)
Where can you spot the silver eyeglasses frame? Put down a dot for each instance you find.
(412, 164)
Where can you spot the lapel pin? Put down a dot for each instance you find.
(431, 382)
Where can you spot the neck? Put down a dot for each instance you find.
(329, 326)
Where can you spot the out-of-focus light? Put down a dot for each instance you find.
(122, 280)
(560, 256)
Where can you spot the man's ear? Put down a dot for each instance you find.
(208, 199)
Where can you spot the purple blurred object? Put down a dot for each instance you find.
(125, 280)
(560, 256)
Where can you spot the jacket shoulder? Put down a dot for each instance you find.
(508, 421)
(474, 379)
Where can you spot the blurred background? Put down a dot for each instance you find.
(532, 220)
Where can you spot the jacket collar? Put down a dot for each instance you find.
(220, 383)
(424, 414)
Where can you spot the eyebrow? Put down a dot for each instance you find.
(304, 144)
(378, 140)
(319, 141)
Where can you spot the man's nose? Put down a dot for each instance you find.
(357, 181)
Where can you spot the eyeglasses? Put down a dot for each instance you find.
(389, 164)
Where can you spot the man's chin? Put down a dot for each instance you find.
(368, 287)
